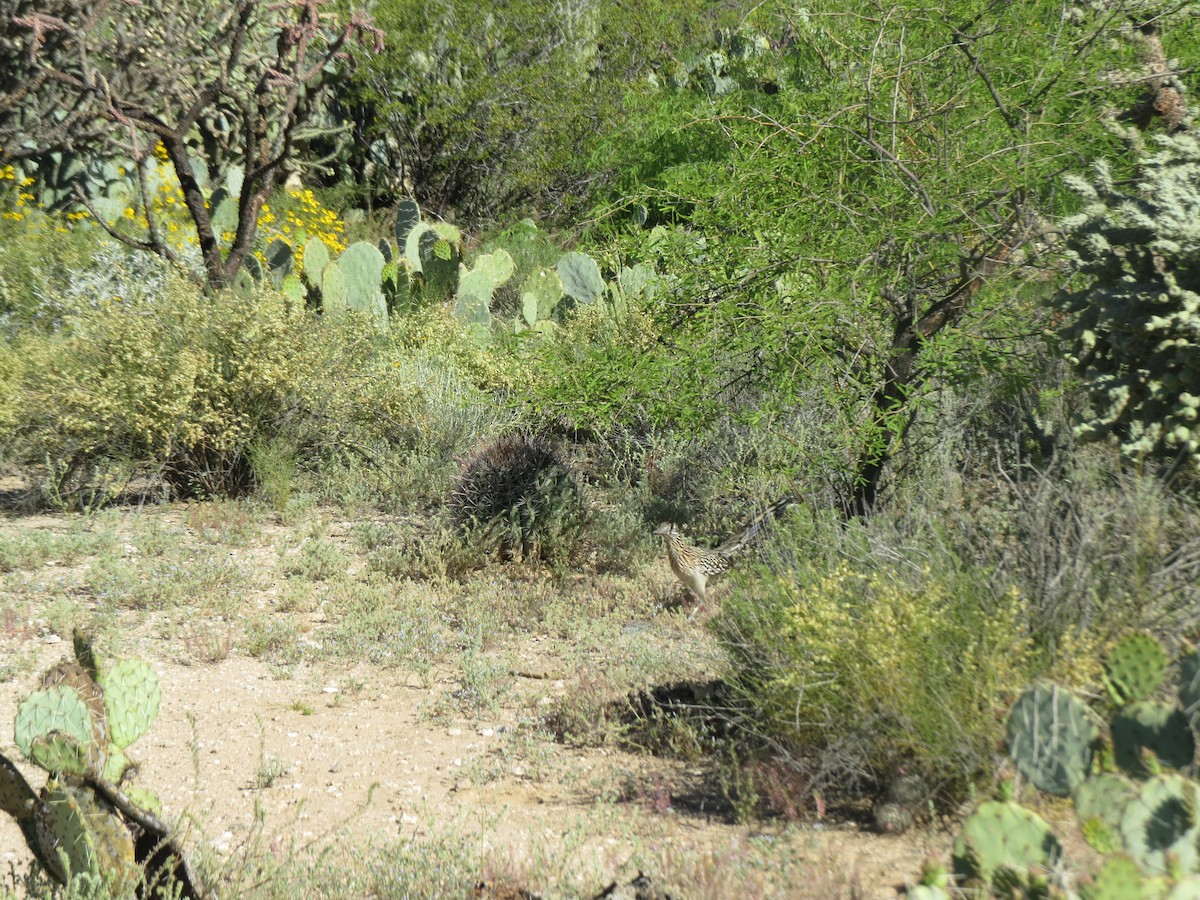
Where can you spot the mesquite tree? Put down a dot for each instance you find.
(217, 85)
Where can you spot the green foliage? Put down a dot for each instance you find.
(815, 261)
(179, 380)
(881, 667)
(1134, 310)
(481, 107)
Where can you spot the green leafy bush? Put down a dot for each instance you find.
(178, 380)
(184, 386)
(852, 673)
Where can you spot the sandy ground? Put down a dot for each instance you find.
(337, 756)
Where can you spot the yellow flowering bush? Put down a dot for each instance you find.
(882, 665)
(181, 382)
(293, 215)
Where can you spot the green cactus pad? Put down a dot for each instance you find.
(408, 214)
(144, 799)
(1155, 727)
(280, 259)
(474, 290)
(1189, 686)
(363, 265)
(115, 764)
(316, 258)
(1185, 889)
(479, 333)
(334, 291)
(132, 697)
(540, 294)
(1098, 804)
(1159, 825)
(76, 676)
(1118, 879)
(59, 826)
(497, 266)
(1136, 667)
(438, 256)
(54, 709)
(1002, 835)
(1050, 735)
(62, 753)
(293, 288)
(225, 214)
(580, 277)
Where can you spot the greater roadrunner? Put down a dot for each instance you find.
(695, 565)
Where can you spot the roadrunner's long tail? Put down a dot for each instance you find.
(738, 542)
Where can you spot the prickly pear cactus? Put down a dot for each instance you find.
(1136, 667)
(80, 678)
(315, 259)
(55, 710)
(408, 214)
(280, 259)
(1189, 686)
(131, 698)
(1119, 878)
(999, 836)
(362, 264)
(580, 277)
(1186, 889)
(1155, 728)
(335, 293)
(498, 266)
(1159, 825)
(79, 833)
(1050, 735)
(1098, 804)
(540, 295)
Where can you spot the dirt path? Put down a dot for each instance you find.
(321, 755)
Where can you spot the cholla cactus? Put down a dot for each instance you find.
(1133, 318)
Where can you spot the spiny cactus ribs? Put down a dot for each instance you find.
(1144, 818)
(517, 491)
(77, 727)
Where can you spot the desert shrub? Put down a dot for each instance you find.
(148, 375)
(520, 497)
(39, 258)
(848, 672)
(180, 381)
